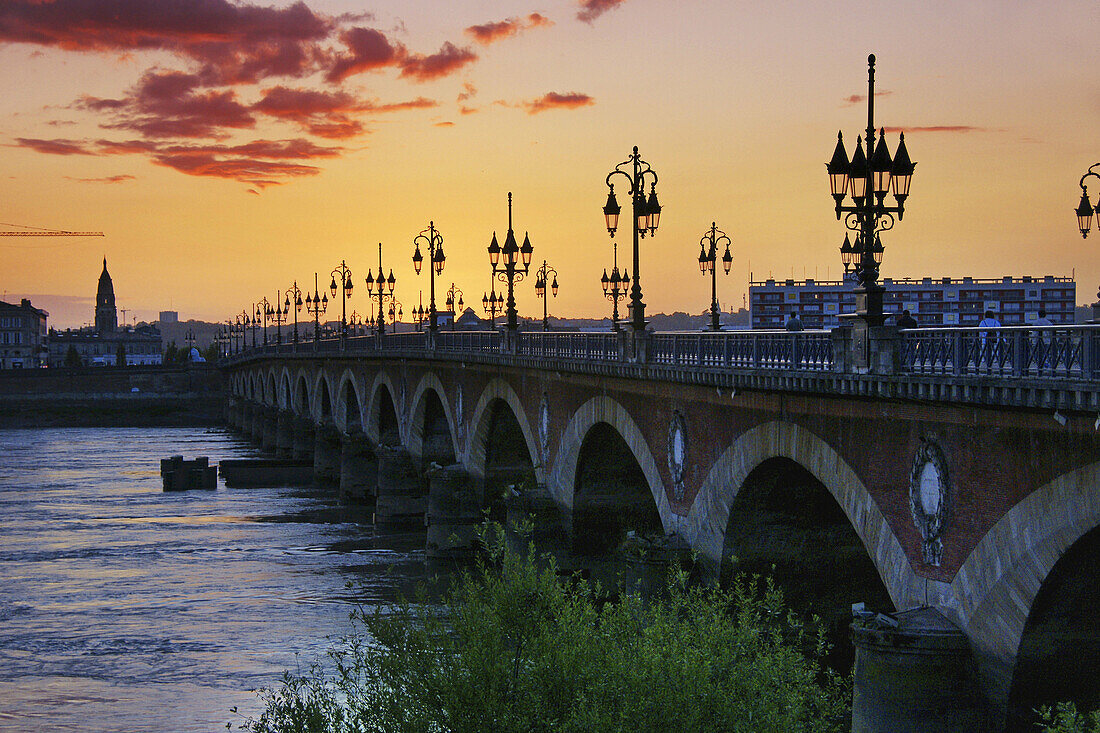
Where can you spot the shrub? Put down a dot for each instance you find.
(1064, 718)
(516, 648)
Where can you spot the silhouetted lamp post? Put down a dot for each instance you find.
(433, 242)
(615, 287)
(541, 276)
(708, 258)
(395, 313)
(507, 270)
(1085, 209)
(293, 303)
(492, 304)
(315, 306)
(381, 288)
(452, 294)
(646, 215)
(280, 317)
(346, 287)
(869, 177)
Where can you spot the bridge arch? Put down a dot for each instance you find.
(284, 397)
(300, 399)
(375, 402)
(322, 399)
(481, 424)
(603, 409)
(995, 590)
(348, 410)
(415, 429)
(709, 514)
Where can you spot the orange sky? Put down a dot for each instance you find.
(226, 153)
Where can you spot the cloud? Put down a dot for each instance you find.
(254, 171)
(368, 49)
(327, 114)
(446, 61)
(592, 9)
(857, 98)
(444, 124)
(553, 100)
(487, 33)
(232, 42)
(469, 91)
(169, 104)
(54, 147)
(937, 128)
(105, 179)
(463, 109)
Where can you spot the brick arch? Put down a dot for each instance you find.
(562, 478)
(381, 381)
(474, 460)
(252, 378)
(300, 409)
(322, 378)
(414, 436)
(339, 405)
(285, 391)
(992, 594)
(709, 514)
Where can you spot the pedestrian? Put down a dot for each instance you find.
(906, 320)
(794, 323)
(1041, 342)
(989, 343)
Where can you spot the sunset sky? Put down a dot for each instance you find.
(229, 148)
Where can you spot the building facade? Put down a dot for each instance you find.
(105, 343)
(933, 302)
(23, 336)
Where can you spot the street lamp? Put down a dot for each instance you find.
(189, 337)
(243, 321)
(395, 313)
(255, 321)
(508, 271)
(453, 294)
(492, 303)
(433, 241)
(541, 276)
(381, 288)
(419, 312)
(293, 303)
(1085, 209)
(346, 286)
(615, 287)
(281, 315)
(315, 306)
(870, 176)
(708, 258)
(646, 214)
(263, 311)
(355, 323)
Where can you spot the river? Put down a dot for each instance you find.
(123, 608)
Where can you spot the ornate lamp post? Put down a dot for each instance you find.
(708, 258)
(419, 312)
(508, 271)
(189, 337)
(381, 288)
(315, 306)
(254, 321)
(280, 317)
(646, 214)
(615, 287)
(293, 303)
(263, 310)
(395, 313)
(433, 242)
(346, 286)
(870, 176)
(243, 321)
(355, 323)
(541, 276)
(492, 303)
(453, 294)
(1085, 209)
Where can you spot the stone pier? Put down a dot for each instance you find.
(326, 455)
(358, 468)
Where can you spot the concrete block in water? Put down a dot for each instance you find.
(179, 475)
(454, 514)
(265, 473)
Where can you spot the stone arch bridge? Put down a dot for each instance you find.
(971, 476)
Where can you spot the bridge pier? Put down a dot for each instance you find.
(284, 433)
(401, 501)
(358, 468)
(302, 439)
(454, 513)
(229, 409)
(326, 455)
(269, 440)
(256, 424)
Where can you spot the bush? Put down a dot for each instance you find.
(514, 648)
(1064, 718)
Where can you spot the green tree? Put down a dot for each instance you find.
(514, 648)
(72, 358)
(120, 354)
(172, 353)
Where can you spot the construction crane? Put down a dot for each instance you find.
(41, 232)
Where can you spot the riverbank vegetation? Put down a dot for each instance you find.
(517, 647)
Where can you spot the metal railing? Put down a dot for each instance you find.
(802, 350)
(565, 345)
(1059, 352)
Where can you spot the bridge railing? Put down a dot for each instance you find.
(467, 341)
(811, 350)
(571, 345)
(408, 341)
(1066, 352)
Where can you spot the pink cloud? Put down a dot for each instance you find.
(105, 179)
(54, 147)
(553, 100)
(592, 9)
(446, 61)
(487, 33)
(367, 50)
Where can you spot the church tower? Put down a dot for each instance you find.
(106, 317)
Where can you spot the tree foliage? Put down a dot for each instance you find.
(516, 648)
(72, 358)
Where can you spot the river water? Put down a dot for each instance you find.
(123, 608)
